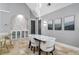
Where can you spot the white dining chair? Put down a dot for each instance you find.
(48, 46)
(29, 41)
(34, 44)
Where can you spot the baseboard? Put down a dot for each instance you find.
(68, 46)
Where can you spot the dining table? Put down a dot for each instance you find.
(41, 38)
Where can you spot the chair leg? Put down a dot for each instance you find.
(46, 53)
(29, 44)
(34, 49)
(37, 47)
(52, 53)
(54, 48)
(40, 52)
(31, 48)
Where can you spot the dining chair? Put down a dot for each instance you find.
(9, 41)
(48, 46)
(34, 43)
(3, 43)
(29, 41)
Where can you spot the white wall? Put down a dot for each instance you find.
(19, 23)
(68, 37)
(14, 10)
(4, 22)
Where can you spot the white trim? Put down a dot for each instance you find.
(68, 46)
(19, 30)
(33, 19)
(4, 11)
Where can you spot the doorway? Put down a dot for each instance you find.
(39, 27)
(32, 26)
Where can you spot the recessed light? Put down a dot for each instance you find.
(49, 4)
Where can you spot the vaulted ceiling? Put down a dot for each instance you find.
(40, 9)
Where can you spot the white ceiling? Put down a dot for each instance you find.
(40, 9)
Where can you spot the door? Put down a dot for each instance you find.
(39, 27)
(32, 26)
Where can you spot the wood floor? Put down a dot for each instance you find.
(20, 47)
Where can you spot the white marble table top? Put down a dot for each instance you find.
(42, 37)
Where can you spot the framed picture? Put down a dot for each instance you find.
(58, 24)
(69, 23)
(50, 25)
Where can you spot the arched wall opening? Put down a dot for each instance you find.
(19, 27)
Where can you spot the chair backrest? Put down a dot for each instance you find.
(33, 41)
(2, 40)
(48, 45)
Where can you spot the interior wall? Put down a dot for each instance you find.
(14, 10)
(64, 36)
(4, 22)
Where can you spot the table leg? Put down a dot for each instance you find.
(39, 48)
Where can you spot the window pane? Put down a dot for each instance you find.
(13, 35)
(22, 34)
(18, 34)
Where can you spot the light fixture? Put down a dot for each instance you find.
(45, 23)
(19, 16)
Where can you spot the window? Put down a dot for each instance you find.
(18, 34)
(13, 34)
